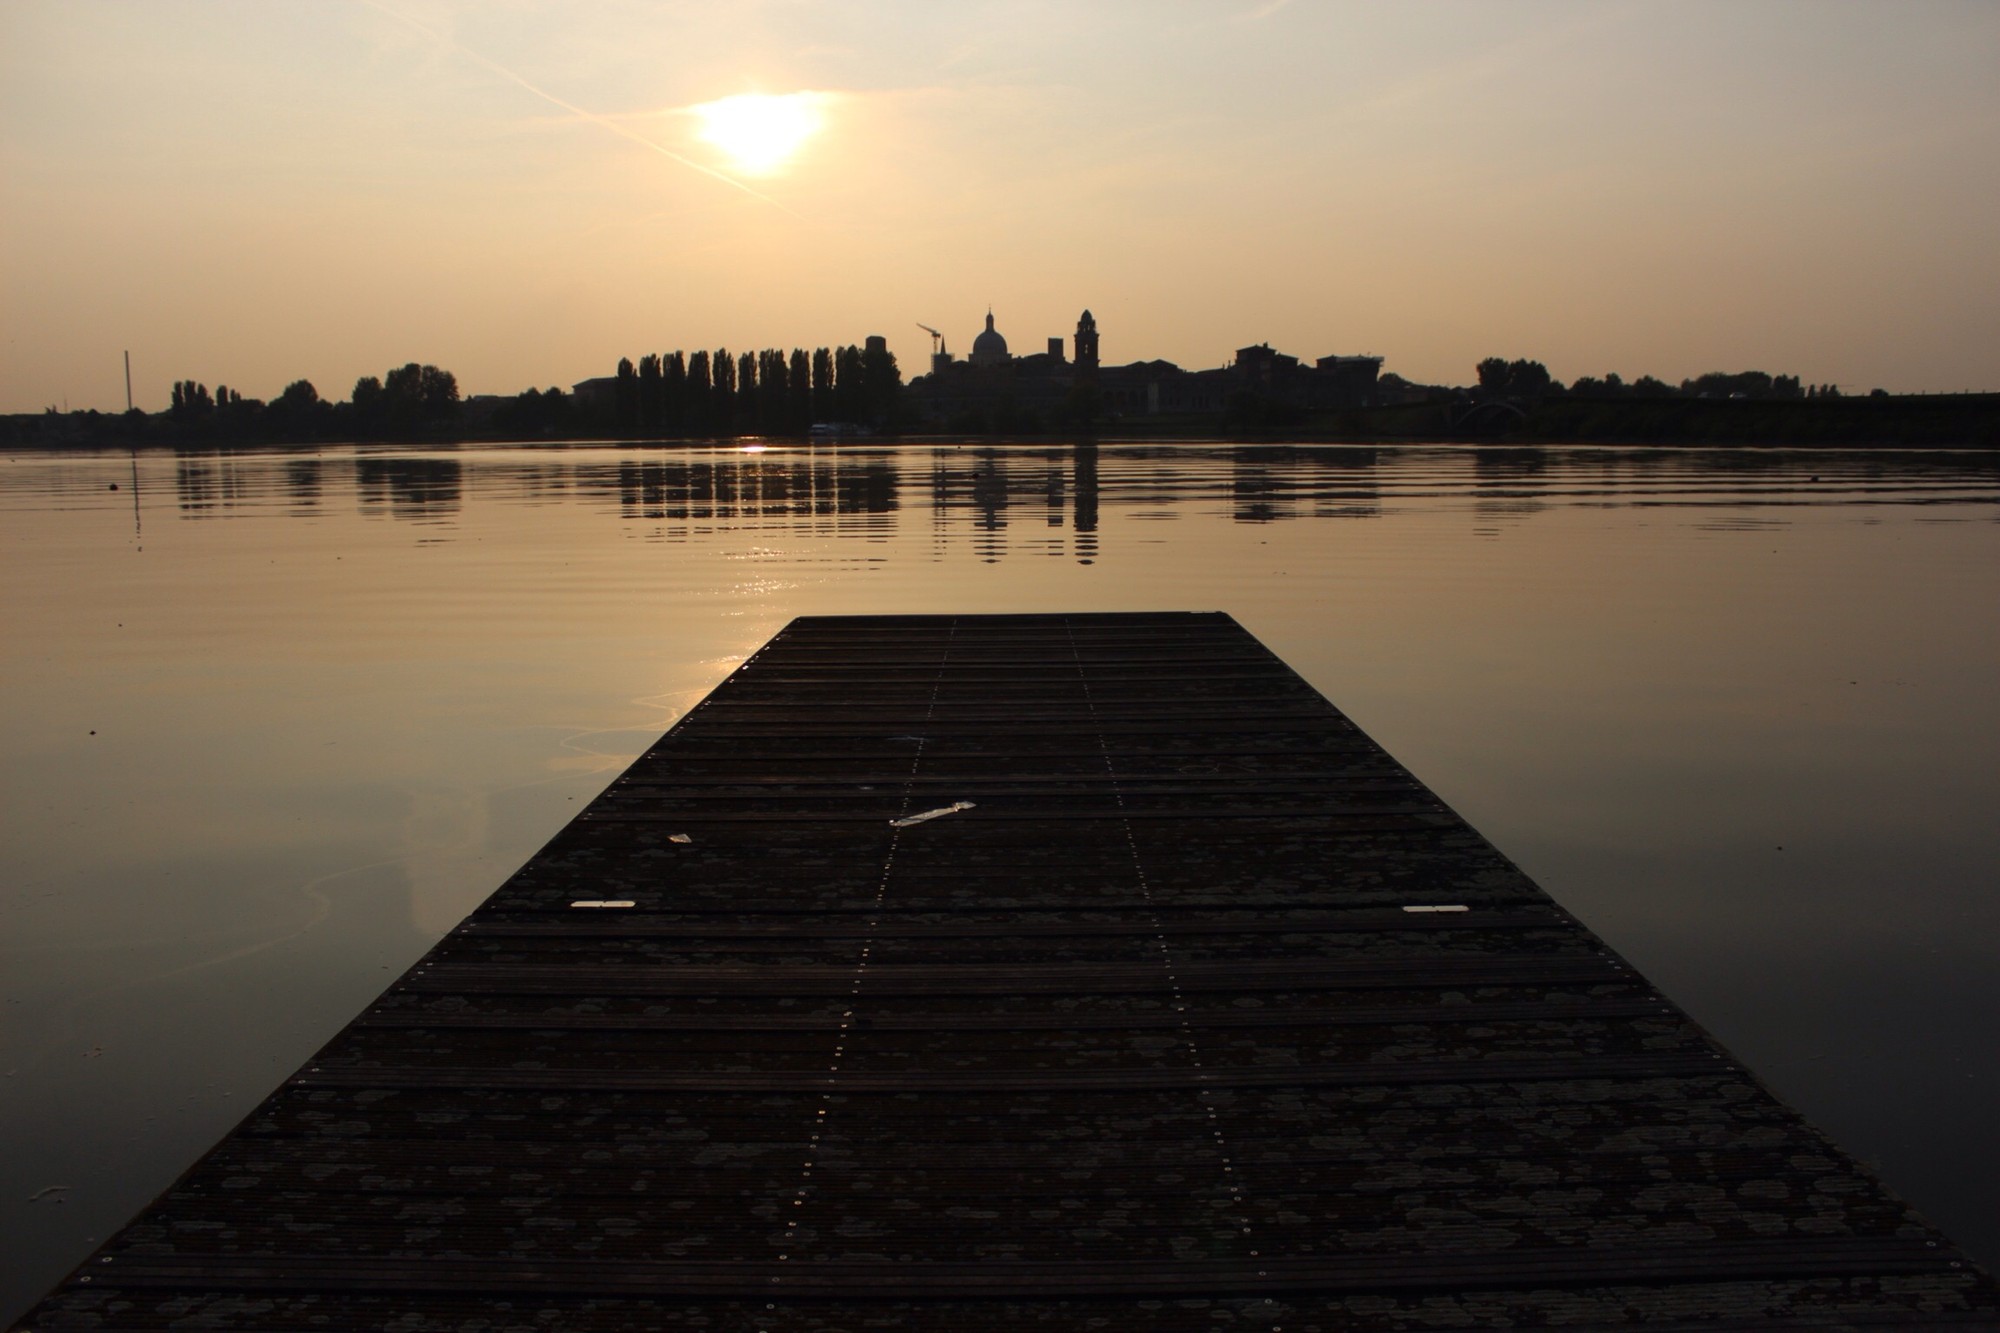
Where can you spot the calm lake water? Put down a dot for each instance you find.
(273, 722)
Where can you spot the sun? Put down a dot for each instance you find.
(760, 132)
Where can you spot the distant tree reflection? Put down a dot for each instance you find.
(739, 488)
(303, 479)
(409, 488)
(1270, 482)
(985, 502)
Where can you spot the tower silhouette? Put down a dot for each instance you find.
(1086, 345)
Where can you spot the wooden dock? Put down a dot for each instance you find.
(1197, 1012)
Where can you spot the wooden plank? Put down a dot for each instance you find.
(629, 926)
(1483, 1014)
(852, 1082)
(1819, 1257)
(1013, 979)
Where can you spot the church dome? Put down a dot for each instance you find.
(989, 348)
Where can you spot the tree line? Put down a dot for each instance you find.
(701, 393)
(766, 392)
(1501, 378)
(409, 401)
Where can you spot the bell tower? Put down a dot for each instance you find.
(1086, 345)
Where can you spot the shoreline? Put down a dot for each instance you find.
(1954, 421)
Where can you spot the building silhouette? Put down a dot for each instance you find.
(989, 349)
(994, 390)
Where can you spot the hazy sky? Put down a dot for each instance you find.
(259, 191)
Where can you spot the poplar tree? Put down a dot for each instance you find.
(822, 385)
(881, 381)
(716, 393)
(700, 390)
(774, 392)
(850, 398)
(722, 394)
(649, 393)
(191, 398)
(625, 395)
(673, 394)
(746, 393)
(799, 404)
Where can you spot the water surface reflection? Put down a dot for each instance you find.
(276, 720)
(987, 486)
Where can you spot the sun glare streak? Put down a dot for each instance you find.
(760, 132)
(603, 121)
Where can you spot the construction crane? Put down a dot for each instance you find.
(937, 342)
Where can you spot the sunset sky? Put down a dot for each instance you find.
(523, 192)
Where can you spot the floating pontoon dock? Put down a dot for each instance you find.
(1007, 972)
